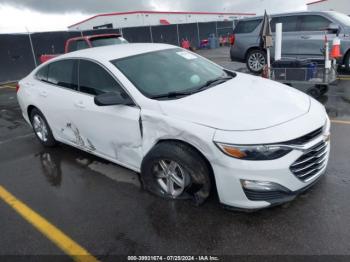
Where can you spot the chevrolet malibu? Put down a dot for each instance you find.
(187, 125)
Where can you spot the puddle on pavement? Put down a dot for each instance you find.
(51, 163)
(116, 173)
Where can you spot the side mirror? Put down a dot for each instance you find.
(333, 28)
(110, 99)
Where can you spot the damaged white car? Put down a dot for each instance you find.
(186, 124)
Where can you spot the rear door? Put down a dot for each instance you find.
(290, 39)
(59, 82)
(111, 131)
(312, 34)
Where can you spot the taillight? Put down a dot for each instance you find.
(17, 87)
(233, 39)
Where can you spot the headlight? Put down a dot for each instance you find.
(327, 127)
(254, 152)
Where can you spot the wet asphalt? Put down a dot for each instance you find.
(103, 207)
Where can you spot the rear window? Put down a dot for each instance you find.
(103, 41)
(290, 23)
(75, 45)
(244, 27)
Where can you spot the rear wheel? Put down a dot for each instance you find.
(41, 128)
(176, 171)
(256, 60)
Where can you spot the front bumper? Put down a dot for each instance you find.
(229, 171)
(229, 175)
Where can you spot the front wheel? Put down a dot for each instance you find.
(256, 60)
(176, 171)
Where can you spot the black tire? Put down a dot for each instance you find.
(314, 92)
(347, 61)
(261, 59)
(48, 140)
(196, 171)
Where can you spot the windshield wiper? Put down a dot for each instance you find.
(217, 81)
(209, 83)
(172, 95)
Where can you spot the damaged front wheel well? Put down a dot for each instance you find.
(212, 178)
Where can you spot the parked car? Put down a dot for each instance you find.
(186, 124)
(83, 42)
(303, 37)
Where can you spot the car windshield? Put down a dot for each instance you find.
(171, 71)
(342, 18)
(103, 41)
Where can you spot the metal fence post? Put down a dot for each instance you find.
(178, 36)
(31, 46)
(150, 30)
(199, 39)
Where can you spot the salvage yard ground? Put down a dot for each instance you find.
(103, 210)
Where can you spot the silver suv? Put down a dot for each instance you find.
(303, 37)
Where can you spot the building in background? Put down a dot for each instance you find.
(147, 18)
(342, 6)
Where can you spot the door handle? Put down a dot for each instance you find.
(80, 104)
(305, 37)
(43, 93)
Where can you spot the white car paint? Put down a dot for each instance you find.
(246, 110)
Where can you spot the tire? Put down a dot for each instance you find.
(187, 166)
(347, 61)
(323, 89)
(41, 128)
(256, 60)
(314, 92)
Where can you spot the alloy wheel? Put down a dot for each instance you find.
(170, 177)
(256, 61)
(40, 128)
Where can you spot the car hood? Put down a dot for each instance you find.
(243, 103)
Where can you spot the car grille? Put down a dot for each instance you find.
(311, 162)
(264, 195)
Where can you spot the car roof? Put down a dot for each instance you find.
(87, 37)
(112, 52)
(287, 14)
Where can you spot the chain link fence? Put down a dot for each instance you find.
(20, 53)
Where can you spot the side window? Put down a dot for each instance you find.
(290, 23)
(244, 27)
(314, 23)
(42, 73)
(72, 46)
(95, 80)
(63, 73)
(82, 44)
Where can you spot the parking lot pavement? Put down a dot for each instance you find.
(103, 208)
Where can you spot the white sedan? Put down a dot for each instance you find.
(186, 124)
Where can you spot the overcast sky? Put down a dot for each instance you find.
(46, 15)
